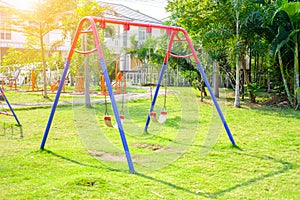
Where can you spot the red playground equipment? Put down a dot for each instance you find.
(3, 111)
(32, 86)
(54, 86)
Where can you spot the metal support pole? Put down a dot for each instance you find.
(216, 103)
(67, 64)
(117, 116)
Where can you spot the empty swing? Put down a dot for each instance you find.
(163, 113)
(122, 117)
(107, 117)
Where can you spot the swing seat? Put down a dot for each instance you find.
(162, 117)
(107, 120)
(122, 117)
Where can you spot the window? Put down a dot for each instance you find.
(142, 34)
(116, 42)
(4, 34)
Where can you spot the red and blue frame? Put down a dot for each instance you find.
(173, 31)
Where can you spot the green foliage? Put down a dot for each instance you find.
(253, 87)
(16, 58)
(287, 40)
(297, 91)
(256, 28)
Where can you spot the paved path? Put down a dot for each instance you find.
(127, 97)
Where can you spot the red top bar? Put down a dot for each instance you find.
(127, 24)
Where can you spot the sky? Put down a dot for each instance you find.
(21, 4)
(152, 8)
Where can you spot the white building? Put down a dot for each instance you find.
(117, 43)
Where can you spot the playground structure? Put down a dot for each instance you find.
(20, 76)
(14, 78)
(174, 36)
(54, 86)
(119, 84)
(25, 78)
(33, 83)
(3, 111)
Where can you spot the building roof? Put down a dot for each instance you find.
(122, 12)
(4, 3)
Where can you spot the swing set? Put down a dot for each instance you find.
(92, 24)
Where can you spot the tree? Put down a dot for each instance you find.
(38, 22)
(84, 8)
(237, 4)
(216, 24)
(20, 58)
(289, 17)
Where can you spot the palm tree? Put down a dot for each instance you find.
(290, 13)
(237, 4)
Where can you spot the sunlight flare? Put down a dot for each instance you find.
(24, 4)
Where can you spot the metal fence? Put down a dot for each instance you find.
(146, 78)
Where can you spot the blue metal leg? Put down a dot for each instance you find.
(216, 103)
(155, 95)
(67, 64)
(116, 113)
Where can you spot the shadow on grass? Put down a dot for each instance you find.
(285, 167)
(79, 163)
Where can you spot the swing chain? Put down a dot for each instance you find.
(123, 96)
(151, 93)
(105, 102)
(165, 99)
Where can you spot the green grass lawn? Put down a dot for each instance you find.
(188, 157)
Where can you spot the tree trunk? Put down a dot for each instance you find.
(269, 83)
(87, 84)
(250, 67)
(237, 102)
(283, 79)
(216, 82)
(247, 80)
(296, 75)
(44, 63)
(87, 97)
